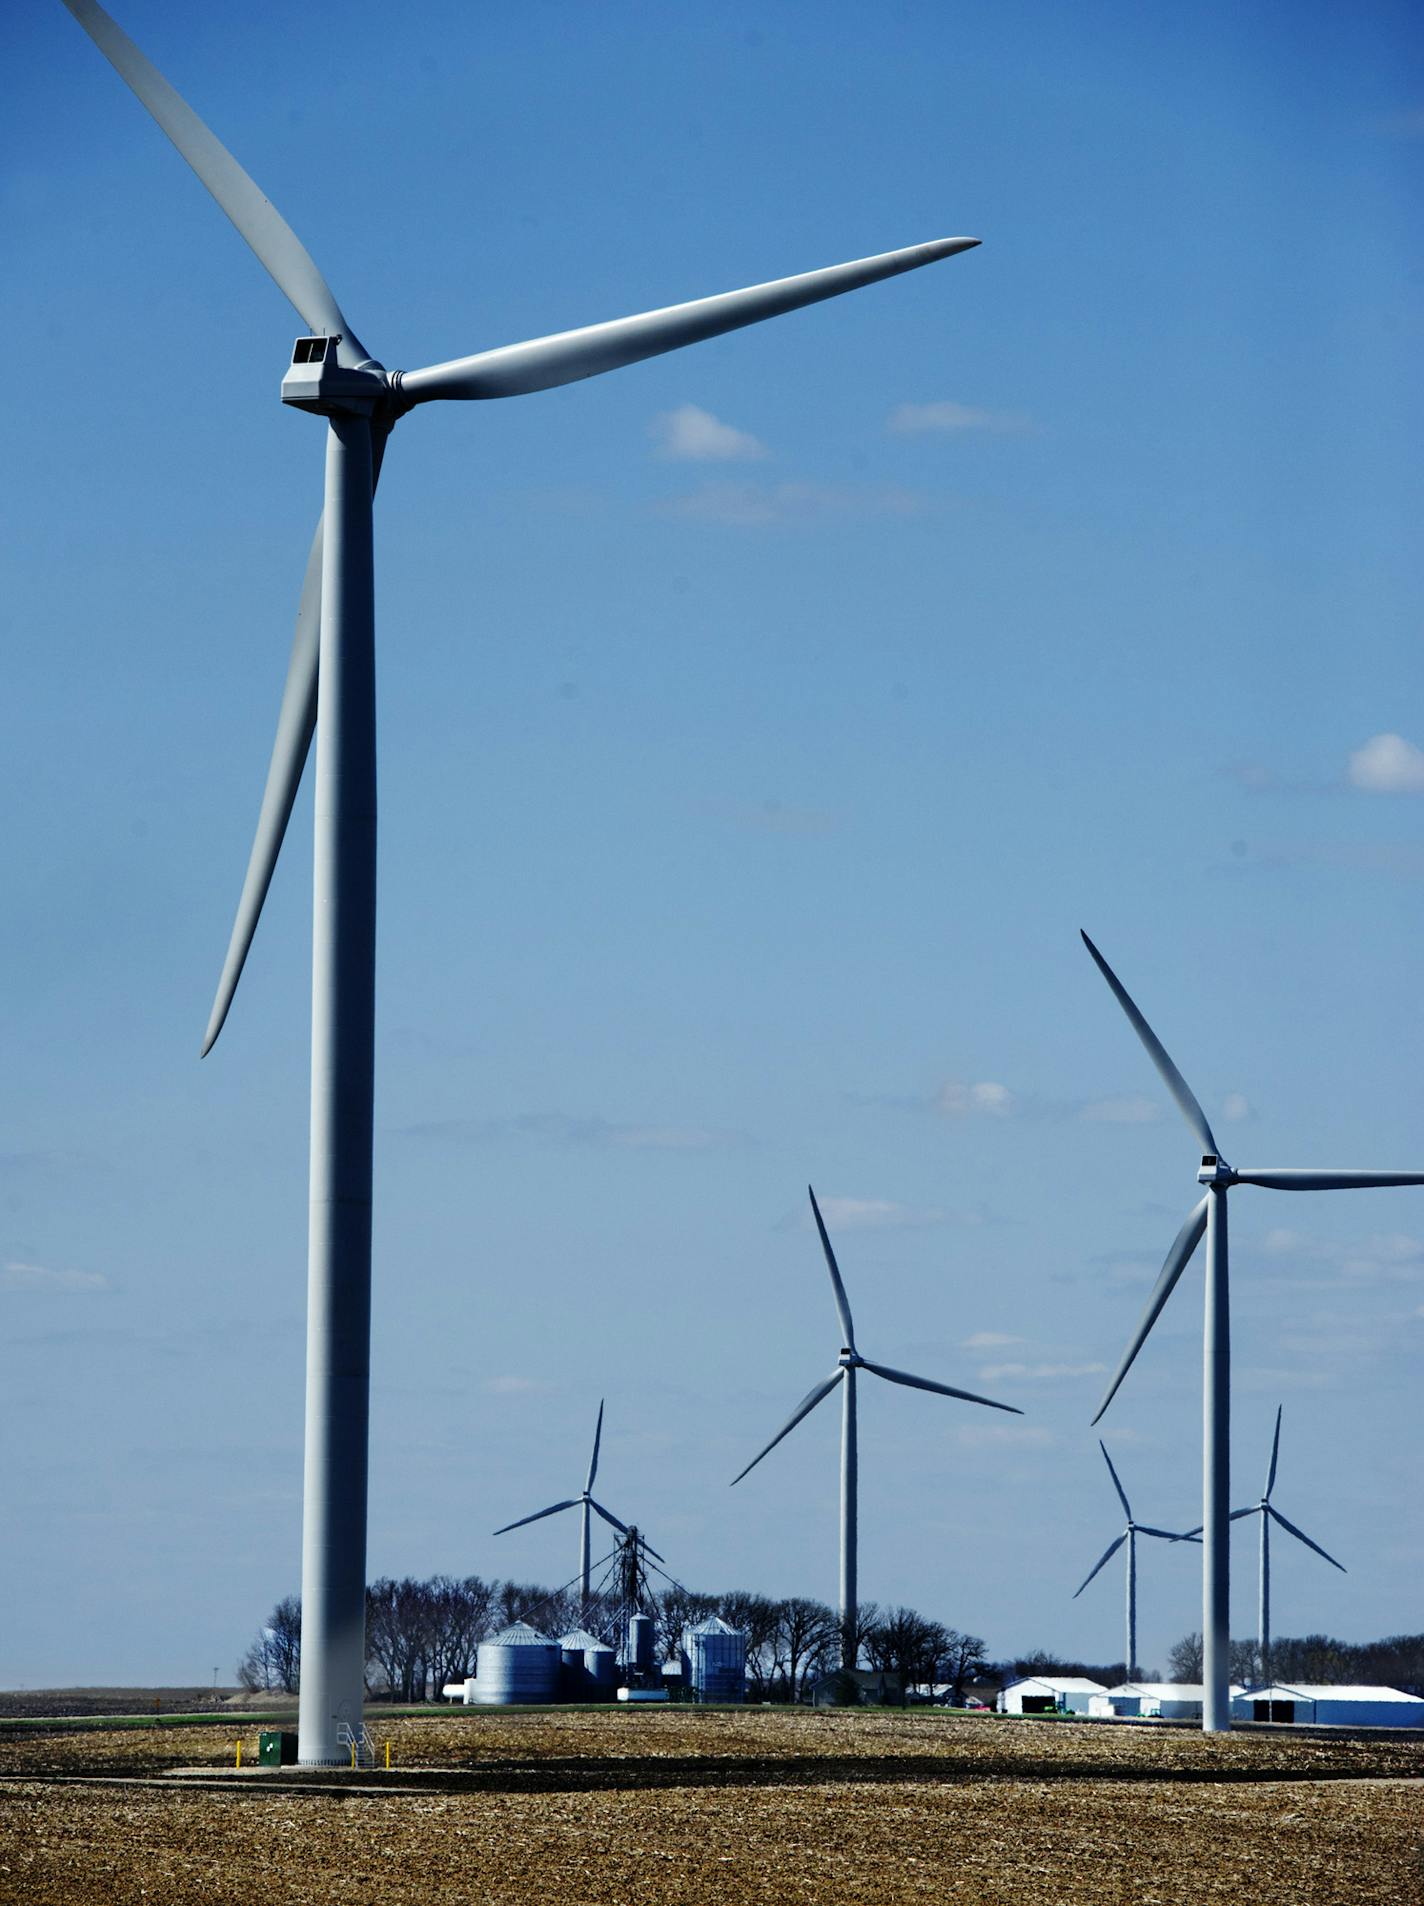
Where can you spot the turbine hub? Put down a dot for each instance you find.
(1214, 1170)
(849, 1359)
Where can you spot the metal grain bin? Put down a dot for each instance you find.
(716, 1660)
(640, 1643)
(575, 1681)
(601, 1662)
(516, 1668)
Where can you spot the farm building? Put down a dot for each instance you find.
(1325, 1706)
(1153, 1700)
(1049, 1694)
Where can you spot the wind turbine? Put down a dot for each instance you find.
(1267, 1511)
(849, 1362)
(330, 690)
(585, 1503)
(1129, 1536)
(1209, 1218)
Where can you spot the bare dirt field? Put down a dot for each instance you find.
(688, 1808)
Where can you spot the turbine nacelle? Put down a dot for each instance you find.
(1214, 1170)
(850, 1359)
(318, 381)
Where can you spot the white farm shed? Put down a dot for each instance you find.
(1154, 1700)
(1326, 1706)
(1049, 1694)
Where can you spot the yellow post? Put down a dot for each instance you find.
(388, 1757)
(353, 1754)
(239, 1753)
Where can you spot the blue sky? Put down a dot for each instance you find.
(758, 726)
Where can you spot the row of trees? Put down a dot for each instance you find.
(422, 1634)
(1397, 1661)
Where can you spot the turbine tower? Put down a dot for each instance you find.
(1209, 1218)
(1129, 1536)
(585, 1503)
(330, 690)
(1268, 1512)
(849, 1363)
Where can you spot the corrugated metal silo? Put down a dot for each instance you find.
(601, 1661)
(640, 1643)
(516, 1667)
(575, 1681)
(717, 1660)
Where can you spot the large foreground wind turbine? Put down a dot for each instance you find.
(1209, 1218)
(586, 1503)
(330, 688)
(1268, 1512)
(850, 1361)
(1129, 1536)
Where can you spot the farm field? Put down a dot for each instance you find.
(691, 1807)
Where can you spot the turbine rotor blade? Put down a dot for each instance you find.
(803, 1408)
(1167, 1535)
(1301, 1536)
(1106, 1556)
(613, 1522)
(597, 1439)
(940, 1389)
(1274, 1180)
(544, 363)
(842, 1302)
(1185, 1242)
(1275, 1452)
(1157, 1052)
(256, 218)
(538, 1515)
(1121, 1492)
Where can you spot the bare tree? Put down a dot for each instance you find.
(756, 1616)
(907, 1644)
(806, 1631)
(1184, 1659)
(273, 1662)
(960, 1657)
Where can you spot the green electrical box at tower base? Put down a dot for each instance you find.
(276, 1750)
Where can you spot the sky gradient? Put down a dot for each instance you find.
(758, 727)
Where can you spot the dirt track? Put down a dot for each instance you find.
(688, 1809)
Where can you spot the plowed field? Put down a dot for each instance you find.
(680, 1808)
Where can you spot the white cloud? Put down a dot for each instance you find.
(1388, 764)
(874, 1214)
(1235, 1107)
(955, 1099)
(36, 1277)
(691, 435)
(1040, 1372)
(1384, 1258)
(989, 1340)
(563, 1128)
(1132, 1108)
(763, 505)
(916, 419)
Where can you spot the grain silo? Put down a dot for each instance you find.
(517, 1667)
(601, 1662)
(716, 1660)
(640, 1646)
(576, 1681)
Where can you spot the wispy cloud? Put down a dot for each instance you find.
(1387, 764)
(908, 420)
(1392, 1257)
(15, 1276)
(1040, 1372)
(875, 1214)
(1236, 1108)
(1129, 1108)
(561, 1128)
(768, 505)
(691, 435)
(988, 1340)
(986, 1097)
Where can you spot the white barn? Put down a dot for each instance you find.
(1326, 1706)
(1153, 1700)
(1049, 1694)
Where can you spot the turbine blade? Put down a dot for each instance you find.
(538, 1515)
(255, 217)
(842, 1302)
(940, 1389)
(1167, 1535)
(1301, 1536)
(803, 1408)
(1157, 1052)
(1185, 1242)
(599, 1509)
(1106, 1556)
(1121, 1492)
(597, 1439)
(296, 723)
(543, 363)
(1275, 1452)
(1274, 1180)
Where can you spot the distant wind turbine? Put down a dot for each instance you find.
(1267, 1511)
(331, 692)
(1209, 1218)
(850, 1361)
(584, 1503)
(1129, 1536)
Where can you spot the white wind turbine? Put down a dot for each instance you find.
(330, 690)
(1209, 1218)
(1129, 1536)
(850, 1361)
(585, 1503)
(1268, 1512)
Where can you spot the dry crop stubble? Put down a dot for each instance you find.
(707, 1809)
